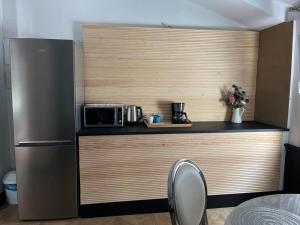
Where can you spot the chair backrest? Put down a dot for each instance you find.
(187, 194)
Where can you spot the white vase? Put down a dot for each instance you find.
(237, 115)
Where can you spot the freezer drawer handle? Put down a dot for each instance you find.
(38, 143)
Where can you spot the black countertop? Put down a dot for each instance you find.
(198, 127)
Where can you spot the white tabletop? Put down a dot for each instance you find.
(281, 209)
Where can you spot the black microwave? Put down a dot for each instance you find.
(103, 115)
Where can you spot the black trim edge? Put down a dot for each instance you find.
(124, 208)
(2, 198)
(231, 200)
(161, 205)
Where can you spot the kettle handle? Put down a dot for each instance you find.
(141, 112)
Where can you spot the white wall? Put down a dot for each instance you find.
(59, 18)
(4, 137)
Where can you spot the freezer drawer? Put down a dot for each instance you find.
(47, 182)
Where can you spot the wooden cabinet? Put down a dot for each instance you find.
(292, 169)
(274, 75)
(118, 168)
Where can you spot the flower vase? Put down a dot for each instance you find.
(237, 115)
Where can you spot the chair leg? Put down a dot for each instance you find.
(204, 220)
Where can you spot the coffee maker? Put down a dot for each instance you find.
(178, 114)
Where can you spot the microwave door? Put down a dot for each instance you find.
(100, 117)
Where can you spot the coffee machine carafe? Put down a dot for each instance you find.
(178, 114)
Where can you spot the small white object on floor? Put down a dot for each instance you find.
(10, 187)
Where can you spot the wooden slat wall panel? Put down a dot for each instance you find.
(135, 167)
(153, 67)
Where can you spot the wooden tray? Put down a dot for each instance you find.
(166, 124)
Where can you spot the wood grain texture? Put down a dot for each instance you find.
(274, 75)
(153, 67)
(135, 167)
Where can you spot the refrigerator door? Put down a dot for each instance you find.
(42, 90)
(47, 182)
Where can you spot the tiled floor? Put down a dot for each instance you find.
(9, 216)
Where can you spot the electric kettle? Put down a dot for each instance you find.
(133, 114)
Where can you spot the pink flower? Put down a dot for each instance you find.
(231, 98)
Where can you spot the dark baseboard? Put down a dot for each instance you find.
(124, 208)
(2, 198)
(161, 205)
(232, 200)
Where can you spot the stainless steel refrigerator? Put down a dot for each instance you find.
(45, 96)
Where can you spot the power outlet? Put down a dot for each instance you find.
(298, 87)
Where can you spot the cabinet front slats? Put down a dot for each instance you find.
(135, 167)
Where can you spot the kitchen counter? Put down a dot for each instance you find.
(127, 168)
(198, 127)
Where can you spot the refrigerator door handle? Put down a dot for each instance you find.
(44, 143)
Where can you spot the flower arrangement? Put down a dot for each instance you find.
(236, 98)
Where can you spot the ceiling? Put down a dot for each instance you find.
(292, 2)
(37, 18)
(250, 14)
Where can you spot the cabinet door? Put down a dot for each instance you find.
(274, 75)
